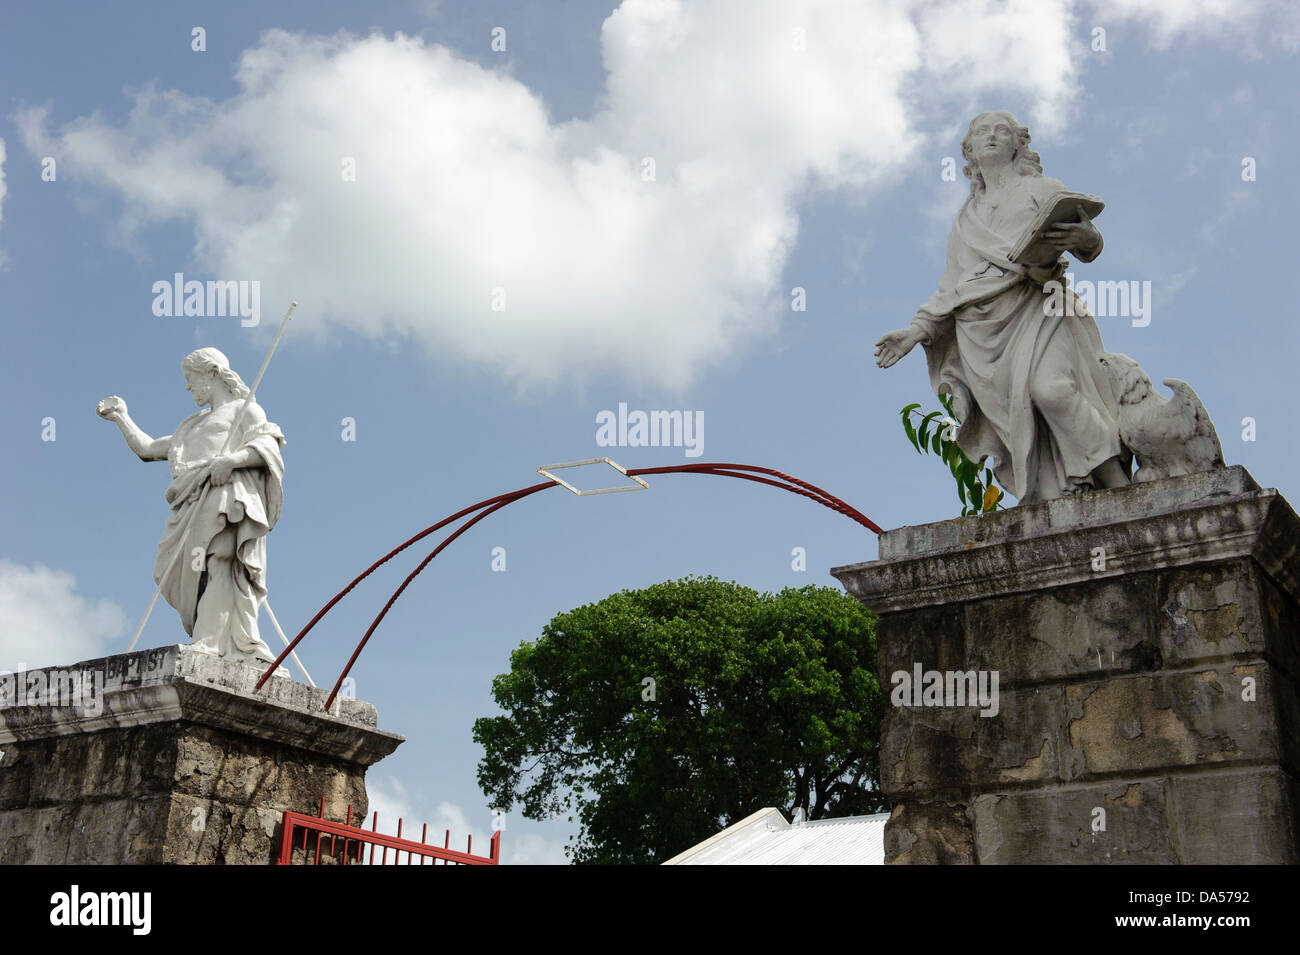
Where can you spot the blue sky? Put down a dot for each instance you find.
(793, 145)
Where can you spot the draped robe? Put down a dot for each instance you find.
(1028, 386)
(218, 577)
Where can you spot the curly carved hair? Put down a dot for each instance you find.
(1024, 160)
(213, 361)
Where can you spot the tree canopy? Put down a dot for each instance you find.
(657, 717)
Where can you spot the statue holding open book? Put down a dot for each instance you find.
(1028, 378)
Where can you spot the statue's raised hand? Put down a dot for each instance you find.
(894, 345)
(111, 408)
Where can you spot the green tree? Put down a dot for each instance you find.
(659, 716)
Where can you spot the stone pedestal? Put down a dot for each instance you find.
(171, 756)
(1146, 642)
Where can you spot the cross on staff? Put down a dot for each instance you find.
(207, 486)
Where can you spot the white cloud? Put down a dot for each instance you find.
(464, 184)
(1237, 20)
(392, 800)
(45, 622)
(1024, 46)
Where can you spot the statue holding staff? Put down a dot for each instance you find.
(225, 496)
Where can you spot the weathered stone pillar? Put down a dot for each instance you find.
(171, 756)
(1146, 642)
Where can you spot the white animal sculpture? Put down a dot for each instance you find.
(1169, 437)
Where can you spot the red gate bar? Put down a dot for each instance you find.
(355, 839)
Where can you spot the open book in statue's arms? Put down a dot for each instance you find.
(1033, 249)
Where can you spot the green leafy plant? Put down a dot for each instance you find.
(977, 496)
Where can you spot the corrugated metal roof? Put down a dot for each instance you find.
(766, 838)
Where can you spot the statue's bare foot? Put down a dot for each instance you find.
(1112, 474)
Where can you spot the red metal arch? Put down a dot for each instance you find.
(746, 472)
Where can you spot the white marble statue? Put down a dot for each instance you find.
(1027, 385)
(1170, 437)
(211, 564)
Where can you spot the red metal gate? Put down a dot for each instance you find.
(347, 843)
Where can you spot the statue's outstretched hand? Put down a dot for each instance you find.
(894, 345)
(111, 408)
